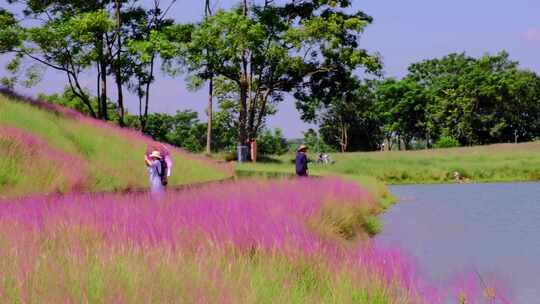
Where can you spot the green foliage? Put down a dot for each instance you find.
(400, 106)
(11, 34)
(478, 100)
(267, 52)
(348, 122)
(269, 143)
(69, 100)
(315, 142)
(471, 100)
(446, 141)
(372, 225)
(74, 36)
(224, 135)
(187, 132)
(182, 129)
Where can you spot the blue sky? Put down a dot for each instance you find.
(403, 32)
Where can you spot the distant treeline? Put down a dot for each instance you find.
(456, 100)
(250, 58)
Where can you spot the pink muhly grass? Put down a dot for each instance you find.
(250, 218)
(245, 213)
(67, 172)
(131, 135)
(45, 105)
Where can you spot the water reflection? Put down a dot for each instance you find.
(494, 228)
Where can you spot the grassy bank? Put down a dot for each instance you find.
(44, 151)
(494, 163)
(245, 242)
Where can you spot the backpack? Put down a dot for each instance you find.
(163, 172)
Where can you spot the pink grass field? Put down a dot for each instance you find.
(50, 149)
(130, 134)
(244, 242)
(49, 169)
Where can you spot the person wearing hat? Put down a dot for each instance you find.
(153, 162)
(301, 161)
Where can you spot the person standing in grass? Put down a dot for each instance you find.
(301, 161)
(155, 171)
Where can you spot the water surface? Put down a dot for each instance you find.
(491, 228)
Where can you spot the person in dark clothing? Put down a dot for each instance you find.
(301, 161)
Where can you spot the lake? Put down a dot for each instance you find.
(450, 229)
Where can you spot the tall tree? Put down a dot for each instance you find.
(266, 51)
(67, 43)
(142, 52)
(69, 37)
(207, 14)
(348, 122)
(401, 106)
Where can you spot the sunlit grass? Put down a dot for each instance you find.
(495, 163)
(112, 157)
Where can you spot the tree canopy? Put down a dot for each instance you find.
(257, 55)
(266, 51)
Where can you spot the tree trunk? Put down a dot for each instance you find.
(98, 81)
(103, 94)
(210, 117)
(244, 7)
(343, 136)
(118, 69)
(242, 123)
(147, 92)
(207, 13)
(242, 115)
(79, 92)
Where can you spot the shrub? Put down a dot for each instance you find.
(372, 225)
(270, 143)
(447, 141)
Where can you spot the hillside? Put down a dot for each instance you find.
(492, 163)
(48, 149)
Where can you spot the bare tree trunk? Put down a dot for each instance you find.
(242, 134)
(103, 94)
(118, 68)
(244, 7)
(207, 13)
(242, 115)
(79, 92)
(147, 92)
(98, 81)
(343, 137)
(140, 95)
(210, 117)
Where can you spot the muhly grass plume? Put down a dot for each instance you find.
(32, 157)
(244, 242)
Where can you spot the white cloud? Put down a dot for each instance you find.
(533, 35)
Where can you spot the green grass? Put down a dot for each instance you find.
(113, 158)
(494, 163)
